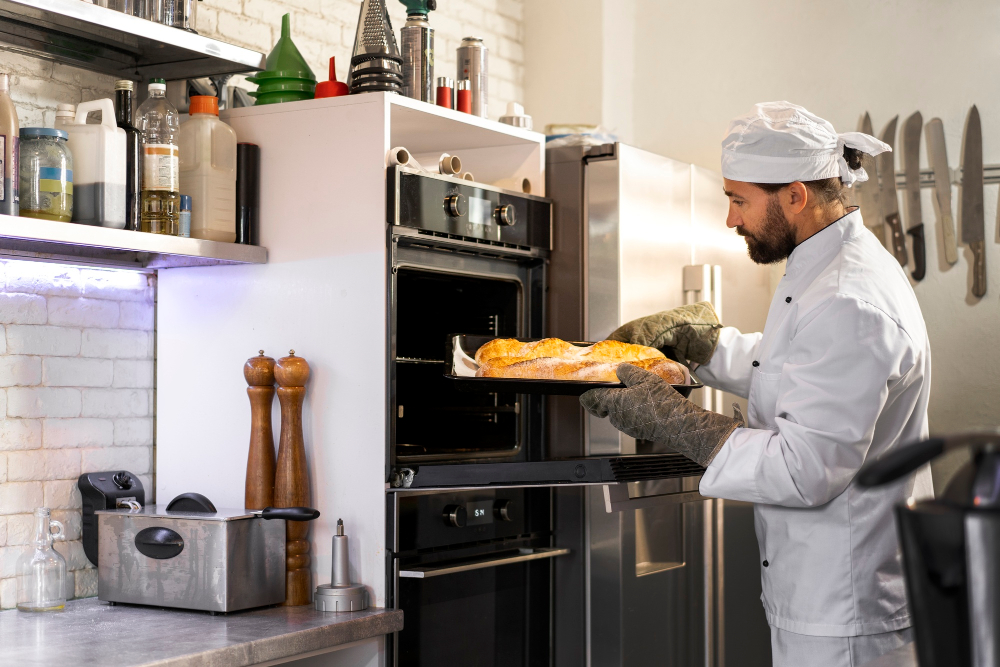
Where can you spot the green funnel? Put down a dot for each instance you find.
(285, 56)
(419, 6)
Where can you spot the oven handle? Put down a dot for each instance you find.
(523, 556)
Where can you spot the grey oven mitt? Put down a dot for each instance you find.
(691, 330)
(650, 409)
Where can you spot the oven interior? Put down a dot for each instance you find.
(432, 419)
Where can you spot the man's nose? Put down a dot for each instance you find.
(734, 219)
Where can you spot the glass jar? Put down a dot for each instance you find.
(46, 178)
(41, 572)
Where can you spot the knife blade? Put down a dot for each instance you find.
(937, 155)
(887, 192)
(971, 202)
(867, 192)
(910, 158)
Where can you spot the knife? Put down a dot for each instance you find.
(867, 192)
(887, 194)
(937, 155)
(910, 158)
(971, 211)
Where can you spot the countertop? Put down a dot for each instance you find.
(90, 632)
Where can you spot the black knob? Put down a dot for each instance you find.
(455, 515)
(454, 205)
(505, 215)
(122, 480)
(503, 510)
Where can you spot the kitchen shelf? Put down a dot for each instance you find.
(85, 35)
(46, 240)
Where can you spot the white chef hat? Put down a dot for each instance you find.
(781, 142)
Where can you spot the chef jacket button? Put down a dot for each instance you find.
(755, 364)
(788, 299)
(764, 563)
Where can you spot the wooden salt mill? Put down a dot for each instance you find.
(291, 481)
(259, 374)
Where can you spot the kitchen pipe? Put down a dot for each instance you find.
(401, 156)
(449, 164)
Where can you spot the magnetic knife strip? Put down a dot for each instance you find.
(991, 174)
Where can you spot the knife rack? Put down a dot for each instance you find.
(991, 174)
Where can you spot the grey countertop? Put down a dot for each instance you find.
(90, 632)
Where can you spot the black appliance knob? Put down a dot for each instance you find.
(505, 215)
(455, 205)
(503, 510)
(122, 480)
(455, 515)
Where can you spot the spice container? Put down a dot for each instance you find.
(444, 88)
(464, 97)
(46, 177)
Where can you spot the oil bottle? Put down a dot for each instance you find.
(9, 137)
(160, 125)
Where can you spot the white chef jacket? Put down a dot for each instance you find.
(840, 375)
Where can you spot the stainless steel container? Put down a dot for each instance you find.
(219, 562)
(473, 61)
(417, 41)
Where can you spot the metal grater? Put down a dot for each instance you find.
(376, 64)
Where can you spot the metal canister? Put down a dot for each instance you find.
(473, 65)
(417, 38)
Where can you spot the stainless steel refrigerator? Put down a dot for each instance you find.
(648, 580)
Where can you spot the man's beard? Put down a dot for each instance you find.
(776, 239)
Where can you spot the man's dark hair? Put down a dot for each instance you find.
(826, 190)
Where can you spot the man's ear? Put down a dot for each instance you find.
(796, 197)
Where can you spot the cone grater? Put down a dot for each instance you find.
(376, 64)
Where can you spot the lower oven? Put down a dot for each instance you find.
(473, 572)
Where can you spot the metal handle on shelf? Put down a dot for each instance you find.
(616, 498)
(523, 556)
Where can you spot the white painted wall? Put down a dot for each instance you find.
(694, 66)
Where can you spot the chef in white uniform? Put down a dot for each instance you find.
(840, 375)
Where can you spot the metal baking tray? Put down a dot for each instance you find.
(462, 349)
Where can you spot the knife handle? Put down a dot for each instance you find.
(978, 249)
(898, 241)
(919, 258)
(950, 247)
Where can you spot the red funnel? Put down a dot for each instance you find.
(331, 88)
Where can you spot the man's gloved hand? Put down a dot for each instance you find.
(650, 409)
(691, 330)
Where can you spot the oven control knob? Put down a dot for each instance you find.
(455, 205)
(503, 510)
(505, 215)
(455, 515)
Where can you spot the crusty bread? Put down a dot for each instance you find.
(549, 368)
(604, 351)
(613, 350)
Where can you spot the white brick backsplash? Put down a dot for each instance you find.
(116, 285)
(20, 497)
(20, 529)
(43, 402)
(86, 582)
(43, 278)
(3, 473)
(50, 464)
(20, 370)
(64, 494)
(16, 434)
(77, 372)
(72, 551)
(133, 459)
(81, 312)
(3, 531)
(44, 340)
(72, 521)
(137, 431)
(134, 374)
(8, 593)
(115, 344)
(136, 315)
(8, 560)
(58, 433)
(22, 308)
(115, 402)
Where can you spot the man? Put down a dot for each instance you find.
(840, 375)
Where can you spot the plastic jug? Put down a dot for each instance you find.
(208, 171)
(99, 166)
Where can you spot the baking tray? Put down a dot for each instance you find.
(462, 349)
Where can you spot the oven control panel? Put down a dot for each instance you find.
(478, 513)
(447, 205)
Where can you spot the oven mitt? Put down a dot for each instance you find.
(650, 409)
(691, 330)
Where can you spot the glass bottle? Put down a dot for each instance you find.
(41, 572)
(9, 138)
(160, 125)
(133, 153)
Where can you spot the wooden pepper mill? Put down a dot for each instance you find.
(291, 481)
(259, 374)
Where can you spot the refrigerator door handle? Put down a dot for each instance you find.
(617, 499)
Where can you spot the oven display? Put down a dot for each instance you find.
(480, 211)
(479, 513)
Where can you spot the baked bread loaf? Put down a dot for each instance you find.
(555, 359)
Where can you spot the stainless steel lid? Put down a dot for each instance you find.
(223, 514)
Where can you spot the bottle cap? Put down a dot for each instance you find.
(65, 111)
(445, 82)
(35, 132)
(186, 206)
(157, 84)
(204, 104)
(4, 83)
(124, 84)
(465, 84)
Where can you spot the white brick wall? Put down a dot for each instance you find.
(76, 395)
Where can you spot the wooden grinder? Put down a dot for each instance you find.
(259, 374)
(291, 482)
